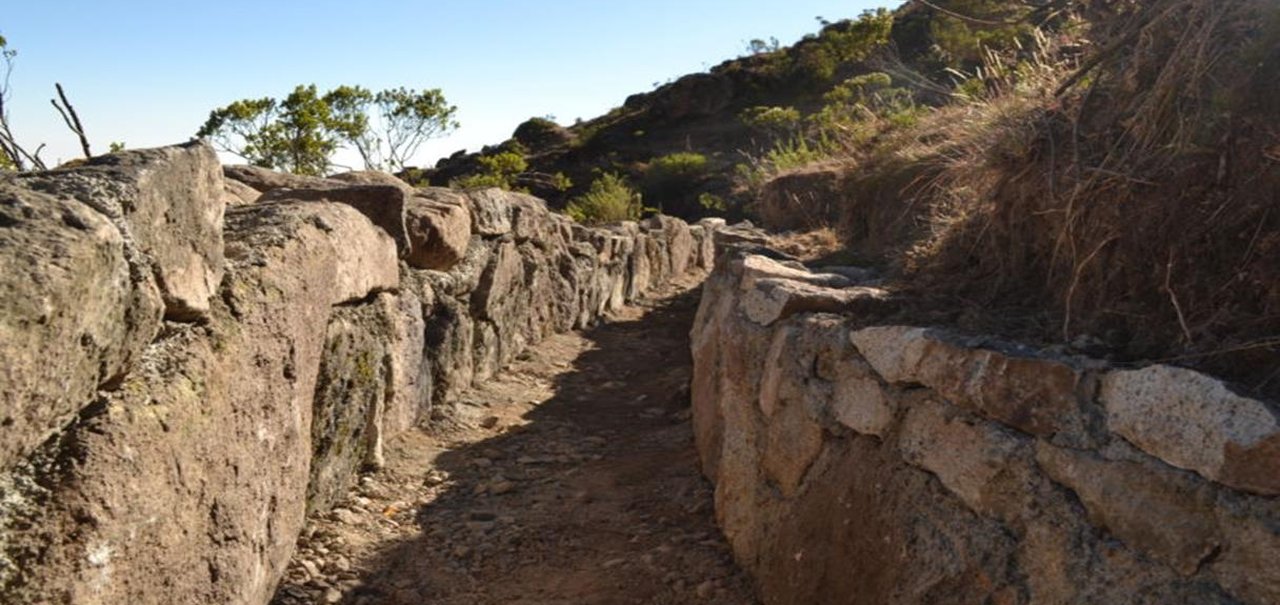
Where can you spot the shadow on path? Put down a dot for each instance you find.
(590, 495)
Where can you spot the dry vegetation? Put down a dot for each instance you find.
(1126, 201)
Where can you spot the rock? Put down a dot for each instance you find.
(349, 402)
(168, 205)
(1160, 515)
(66, 286)
(263, 180)
(332, 595)
(235, 193)
(345, 516)
(313, 570)
(498, 488)
(490, 211)
(705, 590)
(341, 248)
(371, 177)
(439, 225)
(985, 467)
(1037, 395)
(1195, 422)
(691, 96)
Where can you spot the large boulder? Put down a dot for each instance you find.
(168, 204)
(76, 314)
(188, 483)
(431, 227)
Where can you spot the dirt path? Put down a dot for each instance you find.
(569, 479)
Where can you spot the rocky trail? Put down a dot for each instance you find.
(571, 477)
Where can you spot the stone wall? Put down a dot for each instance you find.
(865, 463)
(191, 364)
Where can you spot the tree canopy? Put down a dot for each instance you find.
(301, 132)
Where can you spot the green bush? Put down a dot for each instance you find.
(608, 200)
(498, 170)
(677, 168)
(773, 121)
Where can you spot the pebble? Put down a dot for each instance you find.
(345, 516)
(313, 570)
(705, 590)
(489, 422)
(332, 595)
(498, 488)
(435, 478)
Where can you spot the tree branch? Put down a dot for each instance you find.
(73, 121)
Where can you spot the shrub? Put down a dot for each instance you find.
(773, 121)
(497, 170)
(676, 170)
(608, 200)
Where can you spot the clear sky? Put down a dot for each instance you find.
(147, 72)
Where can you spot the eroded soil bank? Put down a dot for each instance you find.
(571, 477)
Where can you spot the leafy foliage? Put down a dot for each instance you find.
(301, 132)
(974, 26)
(497, 170)
(772, 121)
(817, 59)
(403, 119)
(608, 200)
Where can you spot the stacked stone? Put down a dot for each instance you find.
(189, 364)
(865, 463)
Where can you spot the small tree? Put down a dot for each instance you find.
(302, 132)
(404, 119)
(12, 155)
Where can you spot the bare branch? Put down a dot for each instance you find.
(73, 122)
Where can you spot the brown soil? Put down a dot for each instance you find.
(569, 478)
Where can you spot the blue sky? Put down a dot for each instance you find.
(147, 72)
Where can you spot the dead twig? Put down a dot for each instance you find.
(71, 118)
(1168, 278)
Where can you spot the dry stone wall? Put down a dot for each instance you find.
(864, 463)
(189, 364)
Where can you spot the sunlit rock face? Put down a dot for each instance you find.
(189, 367)
(859, 462)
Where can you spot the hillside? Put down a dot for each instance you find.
(1103, 174)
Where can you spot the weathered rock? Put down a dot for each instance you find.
(235, 193)
(409, 397)
(350, 401)
(263, 180)
(157, 462)
(906, 465)
(809, 198)
(1041, 396)
(168, 205)
(76, 318)
(371, 177)
(987, 468)
(189, 482)
(1195, 422)
(490, 211)
(439, 227)
(1154, 512)
(679, 241)
(361, 259)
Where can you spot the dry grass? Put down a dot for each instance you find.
(1139, 204)
(818, 243)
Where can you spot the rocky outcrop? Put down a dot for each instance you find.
(864, 463)
(181, 388)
